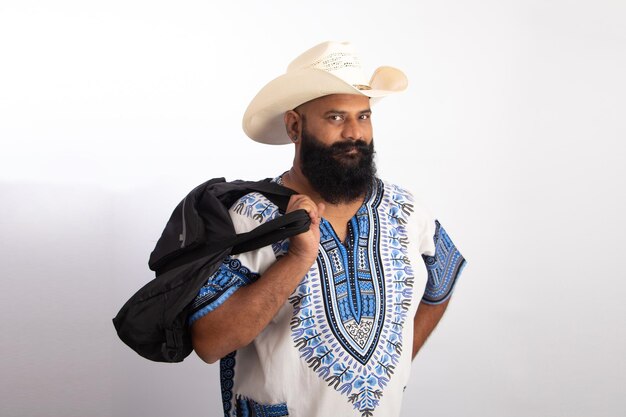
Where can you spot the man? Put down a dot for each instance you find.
(327, 322)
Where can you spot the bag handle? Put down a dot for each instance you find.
(282, 227)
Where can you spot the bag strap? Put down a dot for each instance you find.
(282, 227)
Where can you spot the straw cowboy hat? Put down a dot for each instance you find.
(328, 68)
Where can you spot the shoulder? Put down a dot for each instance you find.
(395, 189)
(404, 199)
(254, 208)
(407, 212)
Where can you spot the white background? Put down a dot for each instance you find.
(512, 130)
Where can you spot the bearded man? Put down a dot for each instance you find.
(326, 323)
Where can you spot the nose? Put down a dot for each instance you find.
(352, 129)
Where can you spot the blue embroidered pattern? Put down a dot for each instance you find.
(256, 206)
(230, 276)
(348, 318)
(250, 408)
(443, 268)
(352, 310)
(243, 406)
(227, 375)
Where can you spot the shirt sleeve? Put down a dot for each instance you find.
(444, 264)
(229, 277)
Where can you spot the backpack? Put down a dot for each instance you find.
(195, 241)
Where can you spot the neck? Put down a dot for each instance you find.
(337, 214)
(295, 179)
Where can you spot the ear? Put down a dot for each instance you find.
(293, 125)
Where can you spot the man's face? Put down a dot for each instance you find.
(338, 117)
(336, 151)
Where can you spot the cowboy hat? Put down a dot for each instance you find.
(328, 68)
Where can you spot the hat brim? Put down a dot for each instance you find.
(263, 120)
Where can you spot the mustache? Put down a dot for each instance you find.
(348, 145)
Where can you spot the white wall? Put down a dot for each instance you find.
(512, 130)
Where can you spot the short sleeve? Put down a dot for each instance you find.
(444, 267)
(229, 277)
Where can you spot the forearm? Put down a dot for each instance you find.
(426, 319)
(248, 311)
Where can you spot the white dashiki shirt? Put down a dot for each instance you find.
(341, 344)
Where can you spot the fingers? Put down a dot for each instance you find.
(300, 201)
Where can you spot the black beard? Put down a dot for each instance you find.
(337, 176)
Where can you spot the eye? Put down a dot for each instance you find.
(365, 116)
(336, 117)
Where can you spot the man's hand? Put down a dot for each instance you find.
(305, 246)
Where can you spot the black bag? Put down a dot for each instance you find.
(195, 241)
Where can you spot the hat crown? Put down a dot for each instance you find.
(336, 58)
